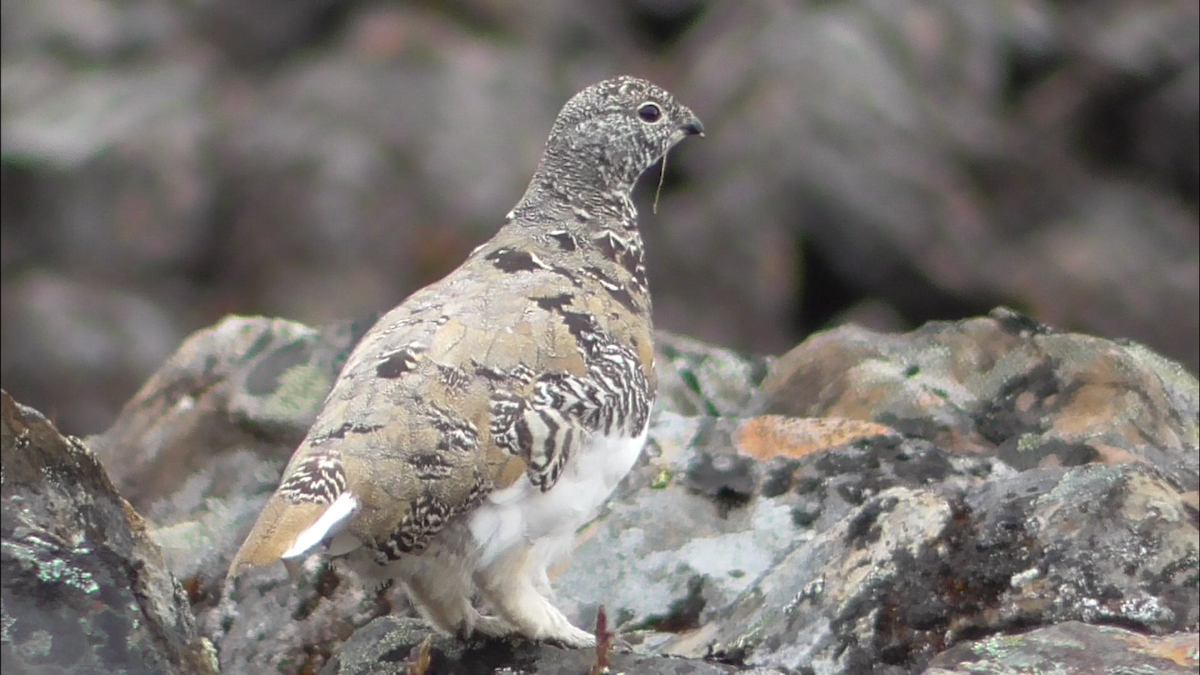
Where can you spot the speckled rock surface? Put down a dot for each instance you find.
(389, 643)
(1072, 648)
(1002, 385)
(695, 378)
(911, 572)
(84, 589)
(199, 450)
(862, 511)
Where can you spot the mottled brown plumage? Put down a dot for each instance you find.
(479, 423)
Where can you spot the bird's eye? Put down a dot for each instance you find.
(650, 112)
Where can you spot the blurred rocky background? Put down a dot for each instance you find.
(166, 163)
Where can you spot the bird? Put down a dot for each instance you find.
(480, 423)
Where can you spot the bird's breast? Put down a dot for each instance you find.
(524, 513)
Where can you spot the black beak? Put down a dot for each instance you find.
(694, 127)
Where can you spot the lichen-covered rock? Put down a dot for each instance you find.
(1002, 384)
(930, 159)
(701, 521)
(1072, 648)
(695, 378)
(877, 514)
(911, 572)
(245, 384)
(199, 450)
(389, 644)
(84, 588)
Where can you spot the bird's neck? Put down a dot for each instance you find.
(576, 186)
(577, 204)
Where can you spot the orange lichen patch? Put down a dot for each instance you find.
(768, 436)
(1182, 649)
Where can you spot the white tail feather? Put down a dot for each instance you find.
(333, 521)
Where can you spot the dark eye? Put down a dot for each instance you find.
(650, 112)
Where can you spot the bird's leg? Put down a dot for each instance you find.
(508, 584)
(487, 626)
(443, 603)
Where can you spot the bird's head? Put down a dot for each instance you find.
(607, 135)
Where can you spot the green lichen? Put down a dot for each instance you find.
(662, 481)
(1028, 442)
(57, 570)
(44, 558)
(301, 389)
(998, 647)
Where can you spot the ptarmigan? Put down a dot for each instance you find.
(480, 423)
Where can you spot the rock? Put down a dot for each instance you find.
(369, 216)
(200, 447)
(942, 157)
(110, 166)
(1002, 384)
(695, 378)
(732, 522)
(199, 450)
(388, 643)
(91, 30)
(911, 572)
(84, 588)
(844, 517)
(1072, 648)
(244, 385)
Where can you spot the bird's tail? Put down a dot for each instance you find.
(288, 530)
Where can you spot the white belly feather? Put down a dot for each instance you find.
(523, 513)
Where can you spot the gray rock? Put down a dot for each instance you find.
(115, 338)
(1072, 648)
(199, 450)
(388, 644)
(698, 379)
(1003, 384)
(200, 447)
(912, 572)
(84, 588)
(700, 522)
(944, 156)
(865, 523)
(246, 384)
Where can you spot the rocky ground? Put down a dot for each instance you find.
(166, 163)
(981, 496)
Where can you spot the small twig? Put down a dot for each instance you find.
(603, 642)
(662, 175)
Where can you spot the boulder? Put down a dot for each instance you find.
(85, 589)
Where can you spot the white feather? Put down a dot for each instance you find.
(523, 513)
(334, 520)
